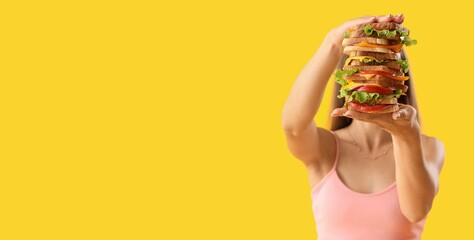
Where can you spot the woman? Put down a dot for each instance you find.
(372, 177)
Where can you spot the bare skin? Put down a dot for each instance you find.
(414, 163)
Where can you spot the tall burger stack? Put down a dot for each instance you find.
(373, 76)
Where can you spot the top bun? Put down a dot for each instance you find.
(347, 50)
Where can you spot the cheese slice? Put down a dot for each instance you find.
(367, 76)
(401, 78)
(351, 84)
(395, 48)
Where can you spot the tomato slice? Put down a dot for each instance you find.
(366, 108)
(374, 89)
(386, 74)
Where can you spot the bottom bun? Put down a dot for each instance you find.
(373, 109)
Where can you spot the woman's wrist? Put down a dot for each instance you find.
(333, 40)
(410, 131)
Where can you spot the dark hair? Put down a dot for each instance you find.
(342, 122)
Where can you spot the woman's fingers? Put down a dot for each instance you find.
(391, 122)
(339, 31)
(369, 117)
(371, 19)
(385, 18)
(363, 20)
(338, 112)
(391, 18)
(357, 21)
(406, 112)
(342, 112)
(400, 115)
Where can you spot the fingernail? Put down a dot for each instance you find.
(399, 15)
(397, 115)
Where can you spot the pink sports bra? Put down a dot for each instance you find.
(343, 214)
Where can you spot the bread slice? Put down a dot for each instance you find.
(353, 41)
(375, 68)
(380, 80)
(390, 64)
(388, 101)
(349, 49)
(378, 55)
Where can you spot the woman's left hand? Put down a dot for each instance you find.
(400, 122)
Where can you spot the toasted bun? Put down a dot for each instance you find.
(377, 55)
(352, 41)
(380, 80)
(349, 49)
(375, 68)
(388, 101)
(387, 109)
(391, 64)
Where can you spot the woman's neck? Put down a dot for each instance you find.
(368, 135)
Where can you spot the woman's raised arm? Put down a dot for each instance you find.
(303, 136)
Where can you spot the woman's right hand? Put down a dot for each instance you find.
(337, 34)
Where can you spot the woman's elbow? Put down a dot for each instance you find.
(417, 216)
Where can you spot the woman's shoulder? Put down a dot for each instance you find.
(431, 142)
(433, 149)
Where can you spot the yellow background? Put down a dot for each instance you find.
(161, 119)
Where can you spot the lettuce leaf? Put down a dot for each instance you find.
(368, 60)
(403, 65)
(368, 30)
(343, 92)
(339, 75)
(367, 98)
(347, 35)
(408, 41)
(363, 97)
(391, 34)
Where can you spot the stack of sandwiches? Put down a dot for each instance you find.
(373, 76)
